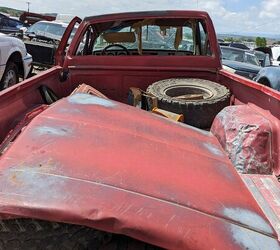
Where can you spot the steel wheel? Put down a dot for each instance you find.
(10, 76)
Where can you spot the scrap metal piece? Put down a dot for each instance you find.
(152, 101)
(135, 97)
(246, 136)
(86, 89)
(141, 99)
(43, 177)
(170, 115)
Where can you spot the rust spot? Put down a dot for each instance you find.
(14, 179)
(47, 166)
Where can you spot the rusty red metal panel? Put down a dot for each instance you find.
(60, 52)
(246, 136)
(242, 83)
(21, 98)
(95, 162)
(148, 14)
(20, 126)
(266, 190)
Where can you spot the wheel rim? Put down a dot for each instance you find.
(194, 93)
(10, 78)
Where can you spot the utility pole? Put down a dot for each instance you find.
(28, 4)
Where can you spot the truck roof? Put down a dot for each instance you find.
(149, 14)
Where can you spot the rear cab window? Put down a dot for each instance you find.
(184, 37)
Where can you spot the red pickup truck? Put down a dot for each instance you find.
(192, 163)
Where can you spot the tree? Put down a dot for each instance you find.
(229, 39)
(261, 42)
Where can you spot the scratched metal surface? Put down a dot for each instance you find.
(247, 139)
(103, 164)
(266, 190)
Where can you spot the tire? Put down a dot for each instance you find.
(48, 95)
(209, 99)
(30, 234)
(10, 76)
(264, 81)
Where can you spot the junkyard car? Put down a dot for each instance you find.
(42, 39)
(15, 62)
(264, 58)
(30, 18)
(10, 25)
(80, 168)
(269, 76)
(238, 46)
(243, 62)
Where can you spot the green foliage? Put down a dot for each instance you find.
(10, 11)
(231, 39)
(261, 42)
(228, 39)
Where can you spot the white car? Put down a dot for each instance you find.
(15, 62)
(275, 56)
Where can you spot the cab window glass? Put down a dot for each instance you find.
(146, 37)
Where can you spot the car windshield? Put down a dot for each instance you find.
(51, 30)
(239, 56)
(251, 58)
(260, 55)
(15, 23)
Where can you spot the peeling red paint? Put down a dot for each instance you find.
(123, 192)
(246, 136)
(266, 190)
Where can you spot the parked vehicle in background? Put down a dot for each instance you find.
(264, 58)
(275, 55)
(223, 43)
(30, 18)
(42, 39)
(47, 30)
(269, 76)
(244, 62)
(64, 18)
(238, 45)
(10, 25)
(85, 168)
(266, 50)
(15, 62)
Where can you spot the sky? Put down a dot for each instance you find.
(229, 16)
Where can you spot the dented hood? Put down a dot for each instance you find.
(103, 164)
